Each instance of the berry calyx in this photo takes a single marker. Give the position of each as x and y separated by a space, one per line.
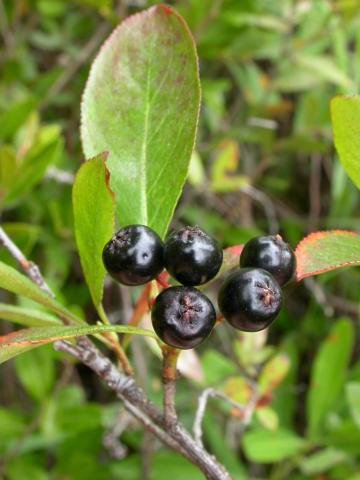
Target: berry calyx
250 299
192 257
272 254
183 317
134 255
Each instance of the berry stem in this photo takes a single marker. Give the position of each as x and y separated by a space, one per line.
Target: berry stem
169 374
141 307
162 279
115 343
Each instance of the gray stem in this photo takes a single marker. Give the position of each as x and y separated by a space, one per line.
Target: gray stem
124 386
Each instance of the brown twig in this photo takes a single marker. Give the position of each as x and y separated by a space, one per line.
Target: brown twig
134 398
169 374
145 411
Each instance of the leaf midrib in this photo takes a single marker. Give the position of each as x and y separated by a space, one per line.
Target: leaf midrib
144 156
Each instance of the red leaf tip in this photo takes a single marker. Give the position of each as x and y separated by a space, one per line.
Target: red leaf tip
165 8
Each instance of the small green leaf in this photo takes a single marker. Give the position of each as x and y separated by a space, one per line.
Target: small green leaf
225 166
353 399
323 67
320 252
15 282
266 446
273 372
21 341
267 417
36 372
14 117
345 116
46 150
328 374
242 19
320 462
93 205
27 316
238 389
141 104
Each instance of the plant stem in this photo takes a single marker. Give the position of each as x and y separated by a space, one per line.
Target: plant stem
135 400
141 307
115 344
169 374
145 411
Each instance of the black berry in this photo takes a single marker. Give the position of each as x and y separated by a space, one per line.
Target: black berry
192 257
134 255
272 254
183 317
250 299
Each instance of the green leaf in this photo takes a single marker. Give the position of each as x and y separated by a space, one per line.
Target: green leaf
141 104
14 117
36 372
216 366
241 19
328 374
345 116
93 205
267 418
46 150
324 68
344 436
7 168
21 341
273 373
320 252
266 446
225 166
15 282
321 461
353 399
238 389
27 316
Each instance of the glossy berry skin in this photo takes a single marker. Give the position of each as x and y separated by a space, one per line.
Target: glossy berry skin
250 299
192 257
134 255
183 317
272 254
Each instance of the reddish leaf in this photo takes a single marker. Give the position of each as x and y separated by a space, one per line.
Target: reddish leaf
22 340
320 252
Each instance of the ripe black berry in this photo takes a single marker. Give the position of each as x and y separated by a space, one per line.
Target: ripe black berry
192 256
183 317
250 299
272 254
134 255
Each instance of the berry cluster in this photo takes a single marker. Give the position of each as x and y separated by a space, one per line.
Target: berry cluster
182 316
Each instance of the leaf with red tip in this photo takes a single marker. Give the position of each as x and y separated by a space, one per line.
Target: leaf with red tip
21 341
141 103
320 252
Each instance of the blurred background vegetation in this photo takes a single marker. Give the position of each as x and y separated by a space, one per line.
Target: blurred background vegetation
264 162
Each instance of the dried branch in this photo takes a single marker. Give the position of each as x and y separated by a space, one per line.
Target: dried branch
246 410
145 411
31 270
134 398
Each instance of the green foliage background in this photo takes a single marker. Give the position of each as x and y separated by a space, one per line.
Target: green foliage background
264 162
